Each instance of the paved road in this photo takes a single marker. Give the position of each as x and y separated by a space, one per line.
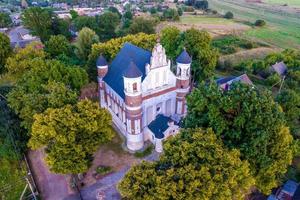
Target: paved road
106 187
52 186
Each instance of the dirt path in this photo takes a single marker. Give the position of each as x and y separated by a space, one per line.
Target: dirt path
51 186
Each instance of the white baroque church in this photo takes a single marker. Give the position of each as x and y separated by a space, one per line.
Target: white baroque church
145 98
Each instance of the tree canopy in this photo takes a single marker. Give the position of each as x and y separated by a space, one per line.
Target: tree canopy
172 41
247 119
198 45
5 20
48 83
108 23
20 62
43 22
58 45
194 165
71 135
142 25
290 103
5 50
86 38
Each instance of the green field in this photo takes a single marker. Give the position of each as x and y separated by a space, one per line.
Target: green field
282 30
281 2
198 19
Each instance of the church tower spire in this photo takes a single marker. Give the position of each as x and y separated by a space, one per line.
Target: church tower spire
183 74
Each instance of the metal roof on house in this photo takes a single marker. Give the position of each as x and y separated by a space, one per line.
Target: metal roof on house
232 79
184 58
101 61
132 71
120 64
159 126
280 68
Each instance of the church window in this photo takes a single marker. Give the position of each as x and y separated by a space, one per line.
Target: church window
134 87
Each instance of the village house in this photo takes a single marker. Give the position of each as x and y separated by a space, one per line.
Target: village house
225 83
146 99
279 68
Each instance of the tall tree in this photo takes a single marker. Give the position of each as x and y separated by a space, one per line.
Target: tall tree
57 45
5 20
108 23
38 21
86 38
290 103
198 44
43 22
20 62
48 84
71 135
194 165
86 21
172 41
247 119
171 14
5 50
142 25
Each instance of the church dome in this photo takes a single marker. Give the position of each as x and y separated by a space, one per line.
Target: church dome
184 58
132 71
101 61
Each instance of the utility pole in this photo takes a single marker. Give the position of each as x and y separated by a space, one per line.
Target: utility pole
29 184
281 83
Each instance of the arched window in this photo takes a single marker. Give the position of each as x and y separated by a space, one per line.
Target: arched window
134 87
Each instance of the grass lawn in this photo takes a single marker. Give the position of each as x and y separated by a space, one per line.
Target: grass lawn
282 30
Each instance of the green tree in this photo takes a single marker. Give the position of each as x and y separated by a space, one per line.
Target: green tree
142 25
115 10
5 50
71 135
38 21
247 119
21 61
172 41
57 45
195 165
5 20
86 38
108 22
290 103
73 14
48 84
228 15
198 44
43 22
171 14
85 21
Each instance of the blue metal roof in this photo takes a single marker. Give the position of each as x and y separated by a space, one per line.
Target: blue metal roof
101 61
223 80
119 65
184 58
159 126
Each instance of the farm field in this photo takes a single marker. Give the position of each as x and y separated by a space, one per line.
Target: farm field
283 26
214 25
295 3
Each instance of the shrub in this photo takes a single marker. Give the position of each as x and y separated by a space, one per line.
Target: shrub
273 79
260 22
228 15
146 152
102 170
247 45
